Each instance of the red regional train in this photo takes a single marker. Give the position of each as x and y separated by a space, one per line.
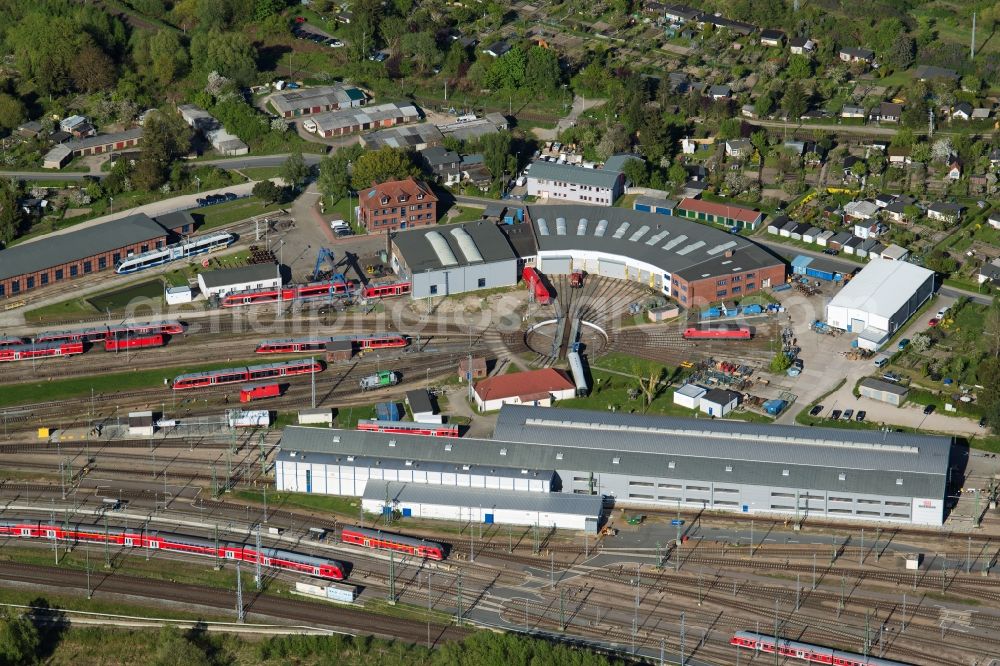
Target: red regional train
252 392
269 557
362 536
813 653
318 344
383 290
22 352
104 332
246 374
312 290
8 342
536 281
408 428
121 342
718 332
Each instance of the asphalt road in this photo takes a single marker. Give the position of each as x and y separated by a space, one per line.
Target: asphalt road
848 266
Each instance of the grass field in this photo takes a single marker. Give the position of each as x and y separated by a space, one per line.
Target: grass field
260 173
344 506
210 217
63 389
120 299
459 213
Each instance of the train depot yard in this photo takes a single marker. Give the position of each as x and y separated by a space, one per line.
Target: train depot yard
642 430
627 514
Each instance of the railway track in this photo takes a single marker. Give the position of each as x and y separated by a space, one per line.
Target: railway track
305 612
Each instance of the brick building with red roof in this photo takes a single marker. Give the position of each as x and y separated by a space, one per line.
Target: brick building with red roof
535 387
397 204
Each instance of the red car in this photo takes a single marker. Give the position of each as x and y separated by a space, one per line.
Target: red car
933 322
300 19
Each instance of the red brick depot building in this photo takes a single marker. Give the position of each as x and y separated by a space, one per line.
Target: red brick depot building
397 205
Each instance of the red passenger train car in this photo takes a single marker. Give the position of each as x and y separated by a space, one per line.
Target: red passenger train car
317 344
409 428
246 374
28 351
806 651
373 290
252 392
312 290
120 342
362 536
536 281
139 538
100 334
8 342
718 332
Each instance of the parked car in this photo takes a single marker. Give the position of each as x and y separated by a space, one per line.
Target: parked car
816 410
848 414
933 322
835 415
831 251
928 409
334 43
797 363
200 202
861 416
230 196
903 344
982 422
891 377
942 312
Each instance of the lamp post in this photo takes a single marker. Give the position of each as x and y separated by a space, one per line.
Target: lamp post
112 200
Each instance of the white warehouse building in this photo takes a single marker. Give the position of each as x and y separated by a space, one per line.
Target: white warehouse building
879 300
228 280
561 510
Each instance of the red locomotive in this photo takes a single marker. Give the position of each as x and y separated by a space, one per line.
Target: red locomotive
362 536
120 342
252 392
133 538
408 428
246 374
718 332
23 351
806 651
318 344
536 281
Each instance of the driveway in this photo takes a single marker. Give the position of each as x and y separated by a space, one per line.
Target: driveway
580 104
170 205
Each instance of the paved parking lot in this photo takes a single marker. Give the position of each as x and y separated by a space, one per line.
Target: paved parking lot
825 364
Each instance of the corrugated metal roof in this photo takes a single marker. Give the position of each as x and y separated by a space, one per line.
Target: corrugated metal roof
510 500
696 449
416 247
882 287
243 274
685 248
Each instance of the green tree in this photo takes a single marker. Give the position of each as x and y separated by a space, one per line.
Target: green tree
363 28
800 67
636 172
168 57
541 70
10 213
262 9
988 374
496 150
165 138
19 639
794 101
902 51
780 363
729 129
173 648
11 111
764 106
266 191
903 138
677 174
759 141
231 54
295 171
45 47
421 48
333 182
382 165
507 71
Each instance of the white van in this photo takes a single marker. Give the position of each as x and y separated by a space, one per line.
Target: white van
338 224
881 361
